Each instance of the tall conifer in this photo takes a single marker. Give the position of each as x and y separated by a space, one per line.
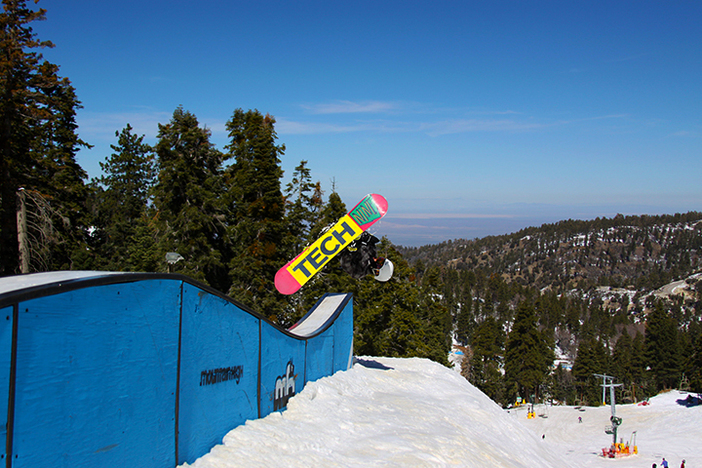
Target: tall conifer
527 355
591 359
187 195
435 316
257 230
488 348
123 194
622 367
38 140
387 316
661 348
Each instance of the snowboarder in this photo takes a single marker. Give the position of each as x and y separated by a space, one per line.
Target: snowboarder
332 241
664 463
360 259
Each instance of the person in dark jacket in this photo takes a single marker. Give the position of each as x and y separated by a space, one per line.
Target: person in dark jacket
360 259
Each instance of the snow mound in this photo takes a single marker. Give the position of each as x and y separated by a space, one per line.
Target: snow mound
386 412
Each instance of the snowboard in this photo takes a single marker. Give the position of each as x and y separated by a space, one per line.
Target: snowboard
300 269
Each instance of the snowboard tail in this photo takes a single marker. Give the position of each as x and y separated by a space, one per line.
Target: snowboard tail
299 270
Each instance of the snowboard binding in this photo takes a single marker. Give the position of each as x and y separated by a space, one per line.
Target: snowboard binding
383 269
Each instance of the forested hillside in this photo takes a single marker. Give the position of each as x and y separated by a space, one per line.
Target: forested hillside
620 296
641 251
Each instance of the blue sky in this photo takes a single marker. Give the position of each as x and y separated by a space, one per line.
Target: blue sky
471 118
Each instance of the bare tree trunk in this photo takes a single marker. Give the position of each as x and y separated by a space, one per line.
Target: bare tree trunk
22 232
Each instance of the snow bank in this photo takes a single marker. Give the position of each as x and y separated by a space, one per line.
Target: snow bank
415 413
386 412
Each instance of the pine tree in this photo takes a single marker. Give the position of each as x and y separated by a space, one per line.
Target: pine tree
61 178
304 212
527 355
465 319
302 206
38 140
562 387
257 228
190 219
695 365
387 319
591 359
142 253
622 366
638 366
487 350
123 199
435 316
661 348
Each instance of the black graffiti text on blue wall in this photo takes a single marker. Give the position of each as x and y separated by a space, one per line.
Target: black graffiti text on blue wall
284 387
221 374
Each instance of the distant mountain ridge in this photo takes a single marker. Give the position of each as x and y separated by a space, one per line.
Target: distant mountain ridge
638 252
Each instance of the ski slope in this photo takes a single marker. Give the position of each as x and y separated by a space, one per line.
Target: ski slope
386 412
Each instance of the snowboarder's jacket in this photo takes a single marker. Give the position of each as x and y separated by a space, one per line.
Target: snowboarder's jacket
359 258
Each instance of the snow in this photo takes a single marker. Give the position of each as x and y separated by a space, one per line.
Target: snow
387 412
15 283
321 314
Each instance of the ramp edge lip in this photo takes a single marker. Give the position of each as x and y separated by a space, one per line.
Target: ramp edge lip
319 319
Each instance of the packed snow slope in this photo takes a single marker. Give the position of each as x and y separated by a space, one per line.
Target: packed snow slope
386 412
664 428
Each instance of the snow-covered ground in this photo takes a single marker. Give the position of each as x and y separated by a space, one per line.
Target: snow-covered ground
388 412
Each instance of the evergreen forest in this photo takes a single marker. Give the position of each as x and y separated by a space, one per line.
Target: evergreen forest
538 312
535 313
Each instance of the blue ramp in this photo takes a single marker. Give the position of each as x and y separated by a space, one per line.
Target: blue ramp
148 370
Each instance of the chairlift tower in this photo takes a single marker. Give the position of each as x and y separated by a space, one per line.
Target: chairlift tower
607 382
